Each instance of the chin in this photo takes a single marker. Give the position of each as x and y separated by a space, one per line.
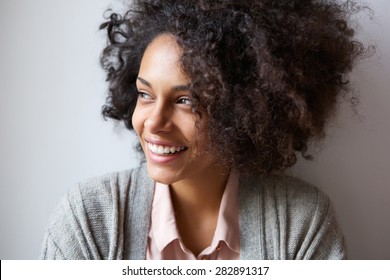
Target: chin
161 176
163 180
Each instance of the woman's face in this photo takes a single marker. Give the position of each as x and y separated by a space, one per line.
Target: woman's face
163 117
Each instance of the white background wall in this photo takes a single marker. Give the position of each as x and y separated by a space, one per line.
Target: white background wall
52 134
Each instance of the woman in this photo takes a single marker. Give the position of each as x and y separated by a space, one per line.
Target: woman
222 95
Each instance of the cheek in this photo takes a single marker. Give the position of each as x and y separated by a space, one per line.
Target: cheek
187 125
137 120
200 138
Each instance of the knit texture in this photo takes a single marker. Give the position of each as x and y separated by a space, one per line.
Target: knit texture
109 217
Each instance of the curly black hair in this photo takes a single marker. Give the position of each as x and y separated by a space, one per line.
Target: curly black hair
267 73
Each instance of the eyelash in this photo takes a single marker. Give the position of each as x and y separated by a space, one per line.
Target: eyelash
185 99
144 95
182 100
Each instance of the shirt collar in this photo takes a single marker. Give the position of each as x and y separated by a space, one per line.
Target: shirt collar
163 227
227 228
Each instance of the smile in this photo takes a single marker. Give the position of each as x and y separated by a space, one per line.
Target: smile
165 150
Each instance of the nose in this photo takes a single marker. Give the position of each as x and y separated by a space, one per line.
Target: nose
159 119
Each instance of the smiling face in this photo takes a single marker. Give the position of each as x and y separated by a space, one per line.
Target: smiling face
174 147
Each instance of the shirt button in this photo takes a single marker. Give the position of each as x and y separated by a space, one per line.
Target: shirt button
205 257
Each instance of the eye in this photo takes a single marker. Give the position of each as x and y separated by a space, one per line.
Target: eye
184 100
144 95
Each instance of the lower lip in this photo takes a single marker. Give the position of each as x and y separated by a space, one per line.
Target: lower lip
163 158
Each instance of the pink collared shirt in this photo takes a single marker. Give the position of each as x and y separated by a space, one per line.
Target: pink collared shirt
164 241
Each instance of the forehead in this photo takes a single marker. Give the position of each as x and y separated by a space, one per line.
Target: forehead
160 60
164 41
162 48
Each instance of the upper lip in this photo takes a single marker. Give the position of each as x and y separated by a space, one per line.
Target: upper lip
162 143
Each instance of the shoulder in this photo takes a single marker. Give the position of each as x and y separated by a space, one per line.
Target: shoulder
296 218
98 194
294 191
293 199
302 204
297 192
101 189
84 224
104 192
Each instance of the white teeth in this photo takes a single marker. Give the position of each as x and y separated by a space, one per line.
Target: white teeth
161 150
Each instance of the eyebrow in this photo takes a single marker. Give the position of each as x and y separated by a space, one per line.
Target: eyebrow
174 88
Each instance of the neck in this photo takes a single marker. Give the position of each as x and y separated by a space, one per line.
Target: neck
196 202
202 193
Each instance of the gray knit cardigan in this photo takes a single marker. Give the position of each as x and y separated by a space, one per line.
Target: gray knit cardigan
109 217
